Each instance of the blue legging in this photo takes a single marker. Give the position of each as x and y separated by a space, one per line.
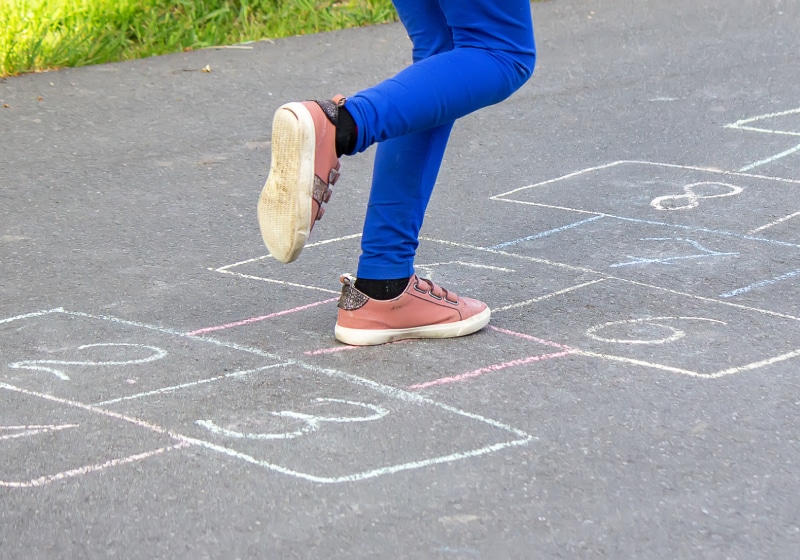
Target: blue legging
467 54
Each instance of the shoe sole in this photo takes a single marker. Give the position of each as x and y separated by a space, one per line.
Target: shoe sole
370 337
284 207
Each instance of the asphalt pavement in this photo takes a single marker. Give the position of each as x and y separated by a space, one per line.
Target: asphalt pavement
631 215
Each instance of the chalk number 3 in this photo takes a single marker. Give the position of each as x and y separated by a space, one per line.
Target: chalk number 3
309 422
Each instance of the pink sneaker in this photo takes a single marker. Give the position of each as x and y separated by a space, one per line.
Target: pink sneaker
423 310
304 166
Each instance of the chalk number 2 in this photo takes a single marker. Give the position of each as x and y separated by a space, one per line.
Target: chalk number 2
47 366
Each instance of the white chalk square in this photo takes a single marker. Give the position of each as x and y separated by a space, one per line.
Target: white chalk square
94 359
302 399
665 331
697 262
324 425
684 197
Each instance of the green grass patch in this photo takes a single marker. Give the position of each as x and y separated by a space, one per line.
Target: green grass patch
38 35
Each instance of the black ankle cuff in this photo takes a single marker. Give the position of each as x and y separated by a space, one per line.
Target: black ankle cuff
346 133
381 289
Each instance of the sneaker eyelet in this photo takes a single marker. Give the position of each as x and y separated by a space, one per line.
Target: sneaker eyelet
450 302
416 287
435 296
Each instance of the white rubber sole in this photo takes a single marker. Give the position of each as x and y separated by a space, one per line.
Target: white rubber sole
370 337
284 207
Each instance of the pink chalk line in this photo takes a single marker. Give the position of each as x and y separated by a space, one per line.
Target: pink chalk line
490 369
497 367
533 339
261 318
330 350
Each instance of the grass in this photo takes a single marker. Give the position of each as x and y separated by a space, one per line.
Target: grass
38 35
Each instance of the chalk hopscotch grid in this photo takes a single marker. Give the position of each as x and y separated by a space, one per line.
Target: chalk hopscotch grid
226 269
594 216
184 441
520 437
603 276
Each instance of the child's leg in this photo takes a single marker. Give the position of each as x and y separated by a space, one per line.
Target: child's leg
405 167
493 55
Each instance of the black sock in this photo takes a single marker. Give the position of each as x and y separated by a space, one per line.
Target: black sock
346 133
381 289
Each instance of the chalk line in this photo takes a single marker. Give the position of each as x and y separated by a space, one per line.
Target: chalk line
190 384
513 255
776 157
25 431
548 296
760 284
273 281
657 223
333 350
713 300
635 162
634 361
240 263
566 350
578 352
357 477
775 223
345 347
174 332
545 233
469 264
44 480
756 365
704 253
567 176
531 338
488 369
740 123
31 315
716 375
263 257
618 278
609 357
260 318
88 408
